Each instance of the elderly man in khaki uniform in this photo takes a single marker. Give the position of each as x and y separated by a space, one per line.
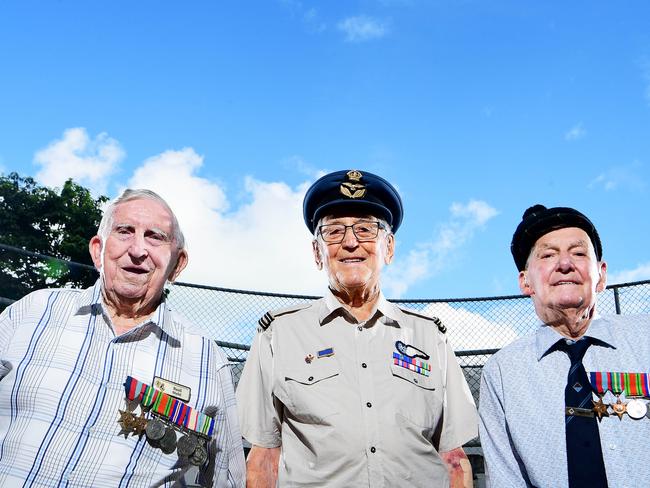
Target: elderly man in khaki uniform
351 390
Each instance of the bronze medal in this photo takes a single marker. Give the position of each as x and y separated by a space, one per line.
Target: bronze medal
600 408
619 408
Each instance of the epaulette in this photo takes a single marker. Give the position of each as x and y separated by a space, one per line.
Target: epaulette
441 327
269 317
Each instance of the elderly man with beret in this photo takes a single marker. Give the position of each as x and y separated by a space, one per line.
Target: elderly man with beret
109 386
565 407
350 390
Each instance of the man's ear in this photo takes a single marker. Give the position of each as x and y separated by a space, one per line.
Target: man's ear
181 262
524 286
602 276
318 259
95 248
390 249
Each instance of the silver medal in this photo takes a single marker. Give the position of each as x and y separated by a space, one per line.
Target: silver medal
637 409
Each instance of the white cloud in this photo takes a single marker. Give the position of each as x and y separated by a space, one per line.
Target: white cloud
576 132
641 272
429 258
303 167
469 330
362 28
261 244
624 177
90 162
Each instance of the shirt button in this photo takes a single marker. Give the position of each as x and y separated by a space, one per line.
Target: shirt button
364 365
612 447
311 378
359 328
372 449
368 404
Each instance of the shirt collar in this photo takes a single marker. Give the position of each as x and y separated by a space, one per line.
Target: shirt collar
599 330
331 307
90 301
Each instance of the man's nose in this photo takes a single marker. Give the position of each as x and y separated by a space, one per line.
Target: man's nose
138 248
349 238
565 262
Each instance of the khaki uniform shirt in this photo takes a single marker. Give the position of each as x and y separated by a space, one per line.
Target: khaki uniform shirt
325 388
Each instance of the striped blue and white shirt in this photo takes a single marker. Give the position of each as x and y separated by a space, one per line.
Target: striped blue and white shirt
62 374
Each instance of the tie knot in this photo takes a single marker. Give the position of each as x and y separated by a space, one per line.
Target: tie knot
575 350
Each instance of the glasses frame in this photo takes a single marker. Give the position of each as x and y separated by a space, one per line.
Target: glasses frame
380 226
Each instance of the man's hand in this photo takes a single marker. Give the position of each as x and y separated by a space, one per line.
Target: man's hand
458 467
262 467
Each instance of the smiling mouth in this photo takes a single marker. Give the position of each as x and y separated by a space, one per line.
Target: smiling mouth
352 260
562 283
136 270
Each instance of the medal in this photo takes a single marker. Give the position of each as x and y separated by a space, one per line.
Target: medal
140 424
636 409
155 430
126 422
619 408
616 386
186 445
600 408
168 441
199 456
600 384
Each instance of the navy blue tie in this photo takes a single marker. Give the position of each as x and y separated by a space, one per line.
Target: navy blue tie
584 454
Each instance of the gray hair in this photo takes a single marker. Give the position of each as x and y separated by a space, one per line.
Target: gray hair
129 195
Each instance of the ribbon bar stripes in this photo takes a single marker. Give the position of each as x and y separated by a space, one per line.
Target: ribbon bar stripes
416 365
169 407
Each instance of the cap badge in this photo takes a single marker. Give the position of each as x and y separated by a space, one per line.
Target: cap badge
352 188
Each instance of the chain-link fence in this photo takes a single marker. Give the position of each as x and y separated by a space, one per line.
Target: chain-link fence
476 327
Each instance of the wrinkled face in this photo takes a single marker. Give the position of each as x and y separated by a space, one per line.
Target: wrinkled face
563 271
350 263
139 254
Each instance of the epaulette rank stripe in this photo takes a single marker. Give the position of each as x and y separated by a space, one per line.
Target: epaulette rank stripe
441 327
269 317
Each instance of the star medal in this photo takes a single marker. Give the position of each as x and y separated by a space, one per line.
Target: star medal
126 422
616 386
600 385
140 424
600 408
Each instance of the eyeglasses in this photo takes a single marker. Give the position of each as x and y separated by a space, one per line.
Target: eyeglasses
363 231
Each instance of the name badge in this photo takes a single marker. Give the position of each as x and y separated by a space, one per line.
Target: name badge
176 390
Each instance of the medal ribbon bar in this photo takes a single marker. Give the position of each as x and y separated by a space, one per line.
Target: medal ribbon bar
169 407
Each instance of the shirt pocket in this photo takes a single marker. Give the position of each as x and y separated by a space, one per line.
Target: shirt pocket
312 390
419 397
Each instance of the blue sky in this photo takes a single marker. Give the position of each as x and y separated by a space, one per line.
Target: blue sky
475 110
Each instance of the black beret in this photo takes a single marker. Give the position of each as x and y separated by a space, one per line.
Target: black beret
355 191
539 220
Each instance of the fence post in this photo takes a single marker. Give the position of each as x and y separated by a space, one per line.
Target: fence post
617 301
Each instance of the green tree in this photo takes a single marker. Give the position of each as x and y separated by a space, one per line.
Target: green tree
53 222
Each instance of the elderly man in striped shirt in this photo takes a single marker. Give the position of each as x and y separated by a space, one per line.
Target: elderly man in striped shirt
108 386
